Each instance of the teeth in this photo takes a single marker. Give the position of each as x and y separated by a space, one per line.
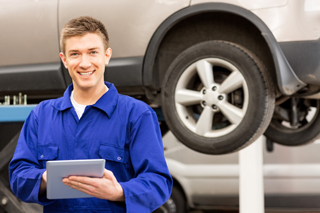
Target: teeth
86 73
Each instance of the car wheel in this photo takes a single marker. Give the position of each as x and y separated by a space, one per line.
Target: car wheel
216 98
179 200
295 122
175 204
168 207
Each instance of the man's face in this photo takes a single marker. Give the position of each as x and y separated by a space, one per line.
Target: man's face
85 57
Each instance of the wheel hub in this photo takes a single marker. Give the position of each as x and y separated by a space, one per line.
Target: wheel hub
212 97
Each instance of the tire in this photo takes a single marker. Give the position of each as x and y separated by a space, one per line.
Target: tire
216 99
168 207
179 200
175 204
302 129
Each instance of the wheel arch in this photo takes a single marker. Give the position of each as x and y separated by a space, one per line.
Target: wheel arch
177 31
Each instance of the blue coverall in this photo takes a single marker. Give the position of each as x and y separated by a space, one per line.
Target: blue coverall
118 128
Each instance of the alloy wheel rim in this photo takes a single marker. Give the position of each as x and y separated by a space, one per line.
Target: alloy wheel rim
216 98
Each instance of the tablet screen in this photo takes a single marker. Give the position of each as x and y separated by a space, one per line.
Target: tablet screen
57 170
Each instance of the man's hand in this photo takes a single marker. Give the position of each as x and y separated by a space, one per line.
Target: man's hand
43 184
106 187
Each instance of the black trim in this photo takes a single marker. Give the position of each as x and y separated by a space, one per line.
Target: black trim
287 80
32 77
125 72
304 58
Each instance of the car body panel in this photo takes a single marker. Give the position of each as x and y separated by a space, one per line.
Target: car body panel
248 4
289 23
29 50
129 29
34 38
285 18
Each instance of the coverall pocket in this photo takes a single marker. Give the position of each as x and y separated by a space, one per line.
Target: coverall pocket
115 154
46 153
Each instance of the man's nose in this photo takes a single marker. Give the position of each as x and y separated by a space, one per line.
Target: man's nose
85 62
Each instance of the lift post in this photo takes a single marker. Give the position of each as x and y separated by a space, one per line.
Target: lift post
251 189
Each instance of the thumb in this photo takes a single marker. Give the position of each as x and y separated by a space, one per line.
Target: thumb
109 175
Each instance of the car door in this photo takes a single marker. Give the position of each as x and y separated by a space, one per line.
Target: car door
29 53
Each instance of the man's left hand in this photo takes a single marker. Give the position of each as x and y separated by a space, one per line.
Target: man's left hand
106 187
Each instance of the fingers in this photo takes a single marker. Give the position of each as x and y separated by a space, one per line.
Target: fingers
106 187
79 186
44 176
84 180
43 183
75 182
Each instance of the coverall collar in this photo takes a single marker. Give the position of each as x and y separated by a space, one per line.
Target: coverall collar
106 103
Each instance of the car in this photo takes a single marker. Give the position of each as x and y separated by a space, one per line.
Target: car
223 72
207 182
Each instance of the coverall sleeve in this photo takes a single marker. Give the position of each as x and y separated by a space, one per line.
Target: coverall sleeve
24 169
152 184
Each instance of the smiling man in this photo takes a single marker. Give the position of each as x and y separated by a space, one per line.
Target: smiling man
92 121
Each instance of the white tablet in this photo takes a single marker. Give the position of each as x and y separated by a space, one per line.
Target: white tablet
57 170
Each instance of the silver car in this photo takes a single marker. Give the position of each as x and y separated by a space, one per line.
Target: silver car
223 72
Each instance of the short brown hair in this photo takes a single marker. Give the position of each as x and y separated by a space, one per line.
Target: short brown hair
81 26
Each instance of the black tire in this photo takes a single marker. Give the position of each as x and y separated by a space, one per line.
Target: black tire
306 127
238 115
175 204
168 207
179 200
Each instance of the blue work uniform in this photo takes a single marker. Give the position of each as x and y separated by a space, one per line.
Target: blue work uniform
120 129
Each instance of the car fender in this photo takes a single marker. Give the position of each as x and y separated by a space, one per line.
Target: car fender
288 82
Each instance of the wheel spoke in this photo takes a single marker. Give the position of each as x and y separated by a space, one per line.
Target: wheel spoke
233 113
204 123
188 97
204 70
231 83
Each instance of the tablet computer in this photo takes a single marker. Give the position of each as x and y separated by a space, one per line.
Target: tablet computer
59 169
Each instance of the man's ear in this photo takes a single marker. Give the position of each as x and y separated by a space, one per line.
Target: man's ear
63 59
108 55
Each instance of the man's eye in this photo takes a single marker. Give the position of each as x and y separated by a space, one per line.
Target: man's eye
74 54
94 52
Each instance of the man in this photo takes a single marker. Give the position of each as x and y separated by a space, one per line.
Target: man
92 121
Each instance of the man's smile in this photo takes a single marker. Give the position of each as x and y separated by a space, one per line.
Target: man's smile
86 73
